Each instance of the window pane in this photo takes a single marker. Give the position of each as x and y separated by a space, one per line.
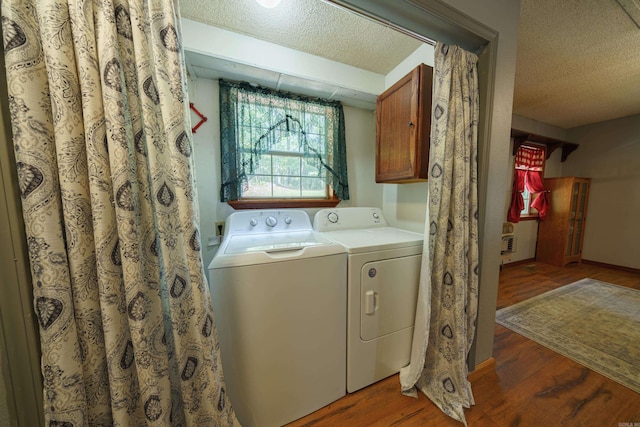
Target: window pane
282 140
258 186
286 165
263 166
311 167
314 187
317 143
525 195
286 186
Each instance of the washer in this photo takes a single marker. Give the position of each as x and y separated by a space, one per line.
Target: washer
382 288
279 299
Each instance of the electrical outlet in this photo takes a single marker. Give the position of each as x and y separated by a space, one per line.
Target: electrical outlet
220 228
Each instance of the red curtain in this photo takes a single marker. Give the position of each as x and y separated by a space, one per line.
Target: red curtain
529 164
535 184
517 201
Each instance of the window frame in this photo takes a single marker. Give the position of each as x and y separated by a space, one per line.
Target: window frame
284 203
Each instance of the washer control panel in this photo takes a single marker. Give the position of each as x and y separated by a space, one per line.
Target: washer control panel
348 219
267 221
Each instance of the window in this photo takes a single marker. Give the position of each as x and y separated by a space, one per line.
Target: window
280 149
528 210
529 198
526 196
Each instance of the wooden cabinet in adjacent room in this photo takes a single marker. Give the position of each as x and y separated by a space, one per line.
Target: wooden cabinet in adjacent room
403 125
561 234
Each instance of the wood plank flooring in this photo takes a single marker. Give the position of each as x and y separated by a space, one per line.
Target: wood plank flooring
529 385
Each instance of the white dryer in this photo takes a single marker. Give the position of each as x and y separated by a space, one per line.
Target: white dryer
383 272
279 299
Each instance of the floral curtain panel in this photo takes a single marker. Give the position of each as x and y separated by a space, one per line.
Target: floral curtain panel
256 120
103 151
448 292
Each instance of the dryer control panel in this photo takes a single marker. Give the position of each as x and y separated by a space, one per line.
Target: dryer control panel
348 219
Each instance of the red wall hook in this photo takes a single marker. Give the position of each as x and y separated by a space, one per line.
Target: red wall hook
202 118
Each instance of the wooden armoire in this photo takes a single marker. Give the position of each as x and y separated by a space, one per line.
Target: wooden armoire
561 234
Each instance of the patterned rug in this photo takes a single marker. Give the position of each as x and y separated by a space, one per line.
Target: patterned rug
597 324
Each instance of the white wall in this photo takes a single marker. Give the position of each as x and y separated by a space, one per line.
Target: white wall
360 133
609 154
360 136
526 124
204 94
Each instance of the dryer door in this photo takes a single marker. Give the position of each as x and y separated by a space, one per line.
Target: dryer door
388 295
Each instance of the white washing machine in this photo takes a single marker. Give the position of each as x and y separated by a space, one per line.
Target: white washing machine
279 299
382 289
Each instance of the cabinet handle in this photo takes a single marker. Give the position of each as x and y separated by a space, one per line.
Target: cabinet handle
410 123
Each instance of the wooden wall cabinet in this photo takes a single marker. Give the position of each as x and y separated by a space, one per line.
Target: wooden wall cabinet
561 234
403 125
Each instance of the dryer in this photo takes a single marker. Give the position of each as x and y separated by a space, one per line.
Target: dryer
383 273
279 300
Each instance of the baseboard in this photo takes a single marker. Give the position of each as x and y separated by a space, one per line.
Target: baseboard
615 267
481 367
517 263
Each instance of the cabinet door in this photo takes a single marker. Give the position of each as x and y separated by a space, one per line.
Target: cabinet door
403 118
581 213
573 231
577 217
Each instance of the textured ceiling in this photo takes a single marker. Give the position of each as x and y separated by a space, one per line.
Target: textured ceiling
310 26
578 60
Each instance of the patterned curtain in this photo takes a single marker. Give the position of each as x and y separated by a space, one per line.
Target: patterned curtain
448 293
255 120
103 150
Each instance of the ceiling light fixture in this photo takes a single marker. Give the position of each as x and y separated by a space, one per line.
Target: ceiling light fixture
269 4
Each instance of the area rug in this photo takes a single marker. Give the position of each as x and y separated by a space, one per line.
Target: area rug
594 323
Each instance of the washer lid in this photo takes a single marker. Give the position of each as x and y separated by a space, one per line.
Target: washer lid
273 242
375 239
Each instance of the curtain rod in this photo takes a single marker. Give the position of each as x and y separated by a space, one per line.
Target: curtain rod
383 22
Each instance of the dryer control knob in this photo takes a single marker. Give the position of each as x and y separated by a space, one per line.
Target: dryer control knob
332 217
287 220
375 215
271 221
253 222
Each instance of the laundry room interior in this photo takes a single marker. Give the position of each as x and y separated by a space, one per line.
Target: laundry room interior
380 305
404 205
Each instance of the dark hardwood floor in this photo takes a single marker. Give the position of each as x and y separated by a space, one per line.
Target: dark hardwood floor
528 385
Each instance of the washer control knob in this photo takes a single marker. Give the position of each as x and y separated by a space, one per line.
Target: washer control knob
271 221
332 217
253 222
375 215
287 220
